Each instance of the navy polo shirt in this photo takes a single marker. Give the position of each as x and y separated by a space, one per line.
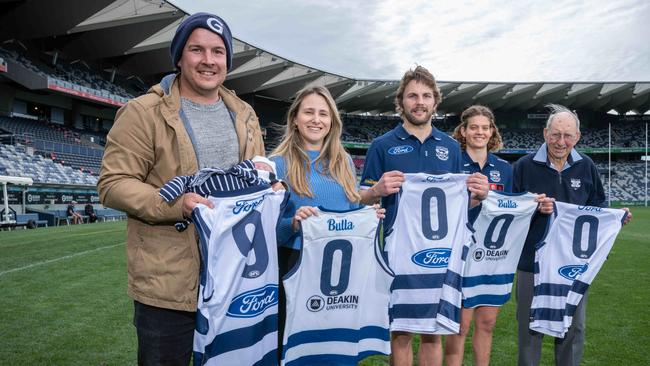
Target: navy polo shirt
497 170
399 150
578 183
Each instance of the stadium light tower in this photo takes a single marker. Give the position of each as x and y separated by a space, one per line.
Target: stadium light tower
4 180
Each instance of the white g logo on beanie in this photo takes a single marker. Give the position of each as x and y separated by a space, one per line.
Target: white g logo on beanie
215 25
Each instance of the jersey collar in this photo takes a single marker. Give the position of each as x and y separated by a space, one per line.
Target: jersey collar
541 156
402 134
491 159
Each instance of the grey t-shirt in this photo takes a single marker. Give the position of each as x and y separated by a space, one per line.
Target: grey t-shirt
213 134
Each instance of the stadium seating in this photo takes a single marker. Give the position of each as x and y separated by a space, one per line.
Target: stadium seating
30 129
109 214
628 180
55 142
14 161
365 128
74 76
84 76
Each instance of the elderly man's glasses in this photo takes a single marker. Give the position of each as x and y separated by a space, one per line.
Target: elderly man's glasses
553 137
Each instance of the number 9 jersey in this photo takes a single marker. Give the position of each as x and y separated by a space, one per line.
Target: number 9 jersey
567 260
426 248
237 315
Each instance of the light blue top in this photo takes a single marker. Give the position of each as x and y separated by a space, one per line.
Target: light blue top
327 194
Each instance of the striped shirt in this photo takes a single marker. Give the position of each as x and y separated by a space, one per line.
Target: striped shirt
210 180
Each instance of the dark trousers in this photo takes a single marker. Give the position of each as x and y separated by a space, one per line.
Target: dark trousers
568 350
165 336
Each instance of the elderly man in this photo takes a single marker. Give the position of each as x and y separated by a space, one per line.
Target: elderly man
187 122
565 175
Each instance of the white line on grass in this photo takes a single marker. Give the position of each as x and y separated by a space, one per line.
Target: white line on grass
58 259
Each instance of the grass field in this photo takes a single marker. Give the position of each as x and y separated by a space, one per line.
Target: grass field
64 302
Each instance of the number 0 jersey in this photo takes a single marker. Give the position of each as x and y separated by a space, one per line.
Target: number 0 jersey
567 260
426 249
338 293
499 232
236 319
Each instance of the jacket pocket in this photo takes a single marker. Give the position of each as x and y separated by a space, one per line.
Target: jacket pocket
164 262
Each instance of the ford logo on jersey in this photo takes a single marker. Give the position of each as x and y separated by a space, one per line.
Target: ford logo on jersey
433 178
590 208
399 150
254 302
246 205
432 258
572 271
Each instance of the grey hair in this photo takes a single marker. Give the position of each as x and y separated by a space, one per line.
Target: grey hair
556 109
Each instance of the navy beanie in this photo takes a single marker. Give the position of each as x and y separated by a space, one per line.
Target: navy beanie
207 21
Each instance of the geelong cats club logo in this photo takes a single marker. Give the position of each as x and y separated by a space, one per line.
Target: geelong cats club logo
442 153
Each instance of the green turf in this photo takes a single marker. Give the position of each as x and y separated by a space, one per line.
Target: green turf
64 302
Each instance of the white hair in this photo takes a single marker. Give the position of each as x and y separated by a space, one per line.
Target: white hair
556 109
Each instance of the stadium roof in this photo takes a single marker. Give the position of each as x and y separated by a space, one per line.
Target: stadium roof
133 37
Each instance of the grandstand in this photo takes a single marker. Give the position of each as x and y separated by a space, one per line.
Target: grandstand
67 66
15 161
61 85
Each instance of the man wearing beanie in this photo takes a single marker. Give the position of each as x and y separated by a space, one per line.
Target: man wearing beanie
187 122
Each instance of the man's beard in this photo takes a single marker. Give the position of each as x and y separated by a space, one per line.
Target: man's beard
416 122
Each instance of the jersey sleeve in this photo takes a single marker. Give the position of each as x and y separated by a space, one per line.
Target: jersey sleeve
174 188
373 167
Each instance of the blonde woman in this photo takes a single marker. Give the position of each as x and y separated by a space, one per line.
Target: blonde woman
311 159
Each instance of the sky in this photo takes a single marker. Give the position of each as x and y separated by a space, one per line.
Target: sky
525 40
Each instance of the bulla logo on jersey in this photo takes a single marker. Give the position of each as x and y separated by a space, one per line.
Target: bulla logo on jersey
442 153
432 258
246 205
501 203
575 183
343 225
254 302
399 150
572 271
495 176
